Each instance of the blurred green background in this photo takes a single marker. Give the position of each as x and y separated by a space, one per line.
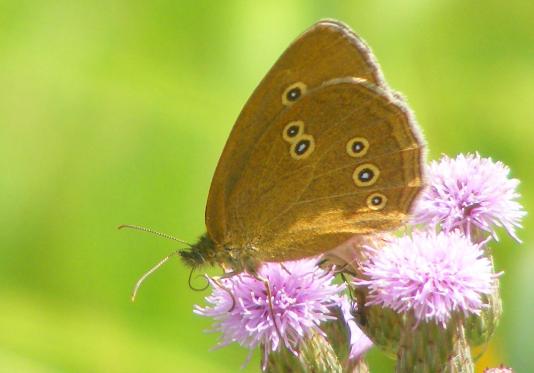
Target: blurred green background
116 112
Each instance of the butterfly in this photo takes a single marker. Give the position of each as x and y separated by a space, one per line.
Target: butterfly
322 151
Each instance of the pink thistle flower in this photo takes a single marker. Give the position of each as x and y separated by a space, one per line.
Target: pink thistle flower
500 369
302 295
470 191
431 274
359 342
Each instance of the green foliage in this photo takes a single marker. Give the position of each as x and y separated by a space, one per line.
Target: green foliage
116 112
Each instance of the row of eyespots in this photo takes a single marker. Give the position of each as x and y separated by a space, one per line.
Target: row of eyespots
302 144
365 174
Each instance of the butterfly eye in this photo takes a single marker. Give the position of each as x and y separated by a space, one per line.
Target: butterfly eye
292 130
357 147
293 93
376 201
365 175
303 147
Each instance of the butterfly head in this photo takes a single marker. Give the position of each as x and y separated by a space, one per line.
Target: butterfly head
231 259
200 253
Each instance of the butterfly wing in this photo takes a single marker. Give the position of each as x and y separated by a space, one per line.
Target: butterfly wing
328 50
345 159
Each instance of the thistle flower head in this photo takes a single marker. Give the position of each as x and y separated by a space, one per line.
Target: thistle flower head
470 191
431 274
301 292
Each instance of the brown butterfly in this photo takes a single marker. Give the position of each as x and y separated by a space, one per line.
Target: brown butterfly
322 151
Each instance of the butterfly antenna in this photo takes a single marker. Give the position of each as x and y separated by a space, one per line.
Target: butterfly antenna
149 272
148 230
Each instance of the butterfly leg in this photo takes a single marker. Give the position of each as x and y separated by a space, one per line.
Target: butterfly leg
220 285
357 299
270 300
349 289
285 268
